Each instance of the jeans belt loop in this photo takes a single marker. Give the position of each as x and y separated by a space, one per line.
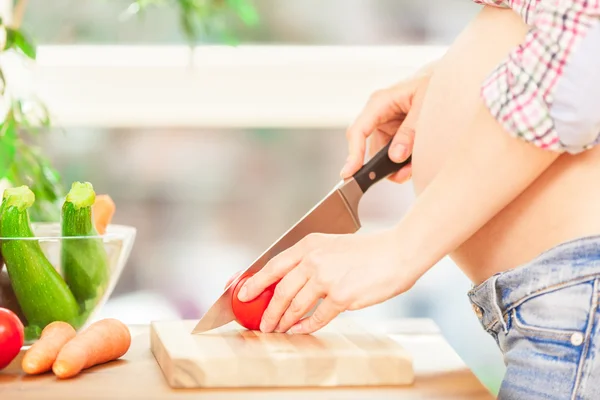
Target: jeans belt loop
495 301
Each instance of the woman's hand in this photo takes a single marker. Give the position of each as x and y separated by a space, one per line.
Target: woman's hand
390 112
348 272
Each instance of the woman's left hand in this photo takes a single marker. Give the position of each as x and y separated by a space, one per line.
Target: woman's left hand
348 272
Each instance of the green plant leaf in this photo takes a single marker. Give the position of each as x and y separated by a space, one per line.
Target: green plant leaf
187 10
32 169
245 10
45 120
16 39
31 114
2 82
10 39
229 39
26 46
187 25
17 110
203 17
8 139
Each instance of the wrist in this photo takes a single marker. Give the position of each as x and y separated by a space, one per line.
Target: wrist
410 254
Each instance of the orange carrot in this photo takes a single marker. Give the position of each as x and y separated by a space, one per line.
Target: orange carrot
103 210
103 341
41 355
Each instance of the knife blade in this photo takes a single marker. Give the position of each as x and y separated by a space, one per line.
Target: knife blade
336 213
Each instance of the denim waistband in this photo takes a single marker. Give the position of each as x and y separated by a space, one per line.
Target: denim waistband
569 262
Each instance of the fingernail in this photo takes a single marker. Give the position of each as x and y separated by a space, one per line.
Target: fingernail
398 151
294 329
263 325
346 168
344 171
243 293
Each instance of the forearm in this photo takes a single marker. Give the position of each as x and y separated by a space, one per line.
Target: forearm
487 170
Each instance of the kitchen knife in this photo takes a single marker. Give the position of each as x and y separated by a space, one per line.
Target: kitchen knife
337 213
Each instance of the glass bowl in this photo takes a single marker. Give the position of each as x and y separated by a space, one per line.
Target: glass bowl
87 271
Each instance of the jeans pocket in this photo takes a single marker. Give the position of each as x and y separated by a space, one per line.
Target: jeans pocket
537 332
560 314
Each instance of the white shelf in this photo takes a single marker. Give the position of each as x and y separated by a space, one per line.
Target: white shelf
217 86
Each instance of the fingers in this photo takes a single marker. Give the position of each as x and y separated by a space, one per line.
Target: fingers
233 278
275 269
325 312
377 111
381 136
357 146
377 141
285 293
403 175
383 107
403 140
402 146
400 149
304 301
357 136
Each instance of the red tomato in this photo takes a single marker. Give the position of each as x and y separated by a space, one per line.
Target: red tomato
11 336
248 314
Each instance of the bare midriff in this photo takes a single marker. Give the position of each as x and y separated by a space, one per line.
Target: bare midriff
562 205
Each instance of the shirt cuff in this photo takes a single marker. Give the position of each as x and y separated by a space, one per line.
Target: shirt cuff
520 92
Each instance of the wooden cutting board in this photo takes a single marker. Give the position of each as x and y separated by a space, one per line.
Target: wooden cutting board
341 354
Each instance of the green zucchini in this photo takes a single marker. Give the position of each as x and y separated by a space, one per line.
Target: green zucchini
42 294
84 260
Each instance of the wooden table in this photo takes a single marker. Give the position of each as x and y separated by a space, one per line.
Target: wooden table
440 374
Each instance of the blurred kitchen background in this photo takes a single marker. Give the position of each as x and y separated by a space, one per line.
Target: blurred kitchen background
207 201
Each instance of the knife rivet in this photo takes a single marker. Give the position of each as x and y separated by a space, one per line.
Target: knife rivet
372 175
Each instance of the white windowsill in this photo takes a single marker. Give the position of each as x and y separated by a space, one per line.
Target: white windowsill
247 86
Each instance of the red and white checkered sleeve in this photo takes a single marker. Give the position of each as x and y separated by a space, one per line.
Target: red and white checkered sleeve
543 91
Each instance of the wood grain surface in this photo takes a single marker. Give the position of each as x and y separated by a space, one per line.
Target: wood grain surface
341 354
439 374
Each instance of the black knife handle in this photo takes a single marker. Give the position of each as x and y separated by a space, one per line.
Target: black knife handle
378 167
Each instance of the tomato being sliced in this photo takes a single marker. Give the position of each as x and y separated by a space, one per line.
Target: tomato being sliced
249 314
11 336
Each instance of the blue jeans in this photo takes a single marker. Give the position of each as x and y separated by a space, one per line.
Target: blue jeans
544 317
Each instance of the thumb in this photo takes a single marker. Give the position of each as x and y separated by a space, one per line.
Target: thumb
403 140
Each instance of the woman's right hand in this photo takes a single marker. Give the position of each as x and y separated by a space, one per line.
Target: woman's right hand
389 113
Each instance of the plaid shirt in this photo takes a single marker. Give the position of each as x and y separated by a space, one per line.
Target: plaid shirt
522 91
